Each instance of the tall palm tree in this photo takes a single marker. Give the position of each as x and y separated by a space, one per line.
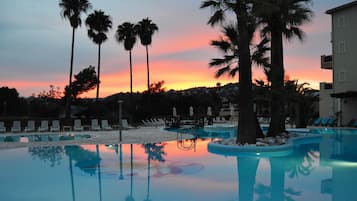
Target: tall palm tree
246 27
228 45
146 29
72 10
98 25
126 34
281 19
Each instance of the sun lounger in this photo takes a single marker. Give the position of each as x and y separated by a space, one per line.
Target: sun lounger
106 126
30 126
331 121
125 124
354 124
2 127
77 125
55 127
16 127
324 121
95 125
317 122
44 126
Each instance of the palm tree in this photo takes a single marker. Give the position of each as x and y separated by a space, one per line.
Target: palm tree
98 24
281 19
146 29
246 27
72 10
126 34
228 45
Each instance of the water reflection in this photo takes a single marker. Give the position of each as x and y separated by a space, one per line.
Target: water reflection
155 152
51 154
324 169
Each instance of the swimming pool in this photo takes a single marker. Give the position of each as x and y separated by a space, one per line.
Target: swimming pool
324 169
42 137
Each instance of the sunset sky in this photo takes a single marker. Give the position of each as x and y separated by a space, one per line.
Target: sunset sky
35 46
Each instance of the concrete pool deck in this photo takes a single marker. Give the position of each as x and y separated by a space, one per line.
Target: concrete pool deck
141 135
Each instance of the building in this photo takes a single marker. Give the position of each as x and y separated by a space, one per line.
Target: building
339 98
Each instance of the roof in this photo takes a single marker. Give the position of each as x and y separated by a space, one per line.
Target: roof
346 94
342 7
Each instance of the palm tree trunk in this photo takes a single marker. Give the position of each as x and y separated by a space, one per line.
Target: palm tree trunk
246 121
277 123
131 75
148 69
97 97
72 178
69 92
99 174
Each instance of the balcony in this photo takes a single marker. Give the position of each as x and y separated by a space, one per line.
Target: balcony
326 62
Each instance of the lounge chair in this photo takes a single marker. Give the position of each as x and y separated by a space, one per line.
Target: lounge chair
77 125
317 122
2 127
355 123
94 125
324 121
125 124
55 127
30 126
332 121
44 126
106 126
16 127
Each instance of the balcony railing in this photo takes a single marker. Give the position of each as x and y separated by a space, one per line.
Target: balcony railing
326 62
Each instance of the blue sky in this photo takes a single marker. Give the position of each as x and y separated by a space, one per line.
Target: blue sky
35 46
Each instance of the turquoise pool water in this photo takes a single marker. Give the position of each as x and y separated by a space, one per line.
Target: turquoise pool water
41 138
324 169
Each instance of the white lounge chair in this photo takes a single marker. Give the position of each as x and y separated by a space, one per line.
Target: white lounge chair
30 126
95 125
77 125
2 127
125 124
106 126
16 127
44 126
55 127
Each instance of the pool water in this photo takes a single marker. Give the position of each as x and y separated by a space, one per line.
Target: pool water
41 138
324 169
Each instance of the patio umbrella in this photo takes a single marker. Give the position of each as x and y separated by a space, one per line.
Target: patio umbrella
174 113
191 111
209 111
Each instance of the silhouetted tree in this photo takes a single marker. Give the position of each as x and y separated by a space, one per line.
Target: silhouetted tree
126 34
72 10
98 24
146 29
246 22
281 19
85 80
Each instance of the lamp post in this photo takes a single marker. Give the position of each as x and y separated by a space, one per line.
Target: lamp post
120 102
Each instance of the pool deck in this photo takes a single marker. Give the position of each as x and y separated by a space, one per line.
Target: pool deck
141 135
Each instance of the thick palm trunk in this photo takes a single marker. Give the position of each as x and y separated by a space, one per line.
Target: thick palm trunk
246 122
277 123
147 68
97 97
131 75
69 92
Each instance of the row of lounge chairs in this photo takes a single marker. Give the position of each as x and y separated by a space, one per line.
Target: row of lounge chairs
325 121
55 126
153 122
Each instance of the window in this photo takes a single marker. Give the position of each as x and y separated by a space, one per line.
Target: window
342 76
341 21
341 47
